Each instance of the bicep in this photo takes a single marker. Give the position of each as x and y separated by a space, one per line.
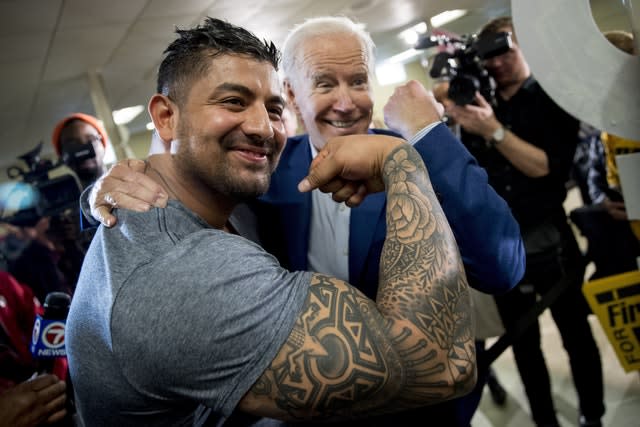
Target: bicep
338 352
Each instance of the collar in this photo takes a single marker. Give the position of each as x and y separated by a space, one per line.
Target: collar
314 150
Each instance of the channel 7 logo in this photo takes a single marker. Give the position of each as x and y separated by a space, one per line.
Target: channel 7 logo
48 338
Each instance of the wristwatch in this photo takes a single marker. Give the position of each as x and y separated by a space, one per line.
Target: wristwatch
497 137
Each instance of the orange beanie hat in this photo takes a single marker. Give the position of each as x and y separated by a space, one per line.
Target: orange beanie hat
55 138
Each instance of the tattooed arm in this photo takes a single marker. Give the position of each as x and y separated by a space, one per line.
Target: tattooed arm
349 356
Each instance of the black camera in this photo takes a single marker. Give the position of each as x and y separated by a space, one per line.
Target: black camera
462 63
46 196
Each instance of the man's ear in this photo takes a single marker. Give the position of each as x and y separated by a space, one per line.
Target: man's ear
164 114
291 96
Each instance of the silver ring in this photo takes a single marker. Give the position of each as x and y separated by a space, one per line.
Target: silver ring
110 200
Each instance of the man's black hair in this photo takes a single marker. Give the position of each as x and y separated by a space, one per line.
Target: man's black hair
189 56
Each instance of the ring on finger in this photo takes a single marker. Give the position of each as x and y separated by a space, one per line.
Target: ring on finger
110 200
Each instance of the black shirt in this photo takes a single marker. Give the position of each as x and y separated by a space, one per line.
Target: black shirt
534 117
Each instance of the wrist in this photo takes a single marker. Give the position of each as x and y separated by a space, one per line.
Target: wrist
497 136
422 132
390 144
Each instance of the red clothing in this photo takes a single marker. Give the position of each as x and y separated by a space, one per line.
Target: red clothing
18 309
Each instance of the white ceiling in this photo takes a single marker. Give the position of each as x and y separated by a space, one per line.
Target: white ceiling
49 47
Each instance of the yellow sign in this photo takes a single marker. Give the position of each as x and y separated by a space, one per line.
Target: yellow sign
616 302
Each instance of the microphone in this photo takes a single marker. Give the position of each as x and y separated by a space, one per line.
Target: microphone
47 339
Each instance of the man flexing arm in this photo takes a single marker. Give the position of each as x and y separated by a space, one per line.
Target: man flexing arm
414 345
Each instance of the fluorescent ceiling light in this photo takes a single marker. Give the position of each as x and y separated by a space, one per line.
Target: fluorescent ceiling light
447 16
125 115
403 57
412 34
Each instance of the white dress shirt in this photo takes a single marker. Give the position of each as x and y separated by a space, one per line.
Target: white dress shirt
329 234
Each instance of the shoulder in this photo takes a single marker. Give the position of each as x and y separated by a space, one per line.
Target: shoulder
209 268
297 139
531 92
533 88
297 147
542 102
140 238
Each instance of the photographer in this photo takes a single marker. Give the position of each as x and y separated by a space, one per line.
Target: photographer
526 143
74 133
80 141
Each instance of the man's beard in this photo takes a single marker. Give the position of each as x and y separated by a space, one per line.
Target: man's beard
219 176
224 182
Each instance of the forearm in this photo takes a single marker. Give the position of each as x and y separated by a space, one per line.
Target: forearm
527 158
414 345
487 234
421 265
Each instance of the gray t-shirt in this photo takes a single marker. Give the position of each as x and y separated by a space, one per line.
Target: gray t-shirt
170 315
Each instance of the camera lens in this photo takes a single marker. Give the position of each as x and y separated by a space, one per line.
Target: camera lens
462 89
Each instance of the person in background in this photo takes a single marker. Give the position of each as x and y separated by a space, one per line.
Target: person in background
611 244
34 402
327 63
588 155
587 218
25 399
488 323
80 141
613 240
530 144
18 309
174 313
615 145
71 135
31 257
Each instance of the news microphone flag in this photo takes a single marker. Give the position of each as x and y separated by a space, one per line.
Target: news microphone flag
47 339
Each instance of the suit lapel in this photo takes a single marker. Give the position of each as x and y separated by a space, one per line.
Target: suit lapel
295 207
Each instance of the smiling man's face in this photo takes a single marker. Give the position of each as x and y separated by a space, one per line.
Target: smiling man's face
331 90
230 130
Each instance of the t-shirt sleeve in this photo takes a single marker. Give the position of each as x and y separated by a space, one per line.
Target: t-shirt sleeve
205 320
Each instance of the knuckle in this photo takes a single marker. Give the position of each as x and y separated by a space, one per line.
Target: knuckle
129 187
313 180
138 165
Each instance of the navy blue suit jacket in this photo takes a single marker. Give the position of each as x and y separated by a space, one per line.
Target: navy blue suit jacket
486 232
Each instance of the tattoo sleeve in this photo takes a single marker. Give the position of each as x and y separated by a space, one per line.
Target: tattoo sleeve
348 356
